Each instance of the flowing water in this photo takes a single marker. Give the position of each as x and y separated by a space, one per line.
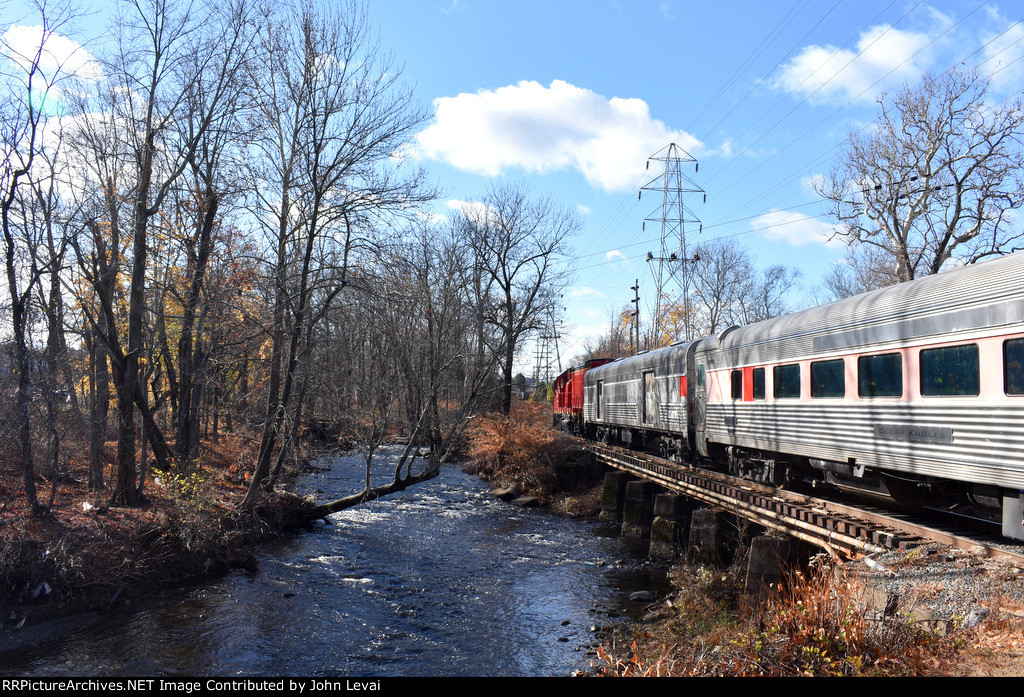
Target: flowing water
439 580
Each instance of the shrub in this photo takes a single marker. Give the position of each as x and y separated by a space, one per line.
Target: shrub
522 448
814 625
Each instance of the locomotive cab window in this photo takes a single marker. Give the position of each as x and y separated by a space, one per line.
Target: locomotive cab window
700 376
1013 366
786 381
736 377
880 376
950 371
758 383
828 379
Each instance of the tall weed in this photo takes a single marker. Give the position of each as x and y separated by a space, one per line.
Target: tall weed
812 626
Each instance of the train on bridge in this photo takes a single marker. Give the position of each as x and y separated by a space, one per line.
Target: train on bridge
914 392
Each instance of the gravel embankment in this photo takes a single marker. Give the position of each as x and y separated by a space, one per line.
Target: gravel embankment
941 585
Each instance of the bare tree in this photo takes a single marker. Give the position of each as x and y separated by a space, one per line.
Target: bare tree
410 321
729 289
520 243
934 178
31 76
618 342
332 113
720 277
214 111
864 268
148 126
766 294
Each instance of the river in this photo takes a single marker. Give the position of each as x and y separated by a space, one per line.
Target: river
439 580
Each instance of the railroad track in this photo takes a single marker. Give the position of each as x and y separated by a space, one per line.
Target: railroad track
844 530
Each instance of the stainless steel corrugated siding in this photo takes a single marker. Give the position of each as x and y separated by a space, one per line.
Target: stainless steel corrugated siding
622 391
987 438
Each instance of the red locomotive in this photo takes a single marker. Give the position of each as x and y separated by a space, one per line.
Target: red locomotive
568 397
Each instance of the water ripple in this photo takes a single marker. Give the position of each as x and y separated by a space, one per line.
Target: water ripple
439 580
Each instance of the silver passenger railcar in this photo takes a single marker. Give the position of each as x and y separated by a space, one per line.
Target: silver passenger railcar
916 389
641 401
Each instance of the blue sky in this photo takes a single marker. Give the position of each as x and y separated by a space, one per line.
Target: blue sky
570 98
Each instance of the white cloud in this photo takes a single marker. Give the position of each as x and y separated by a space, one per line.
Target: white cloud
476 211
59 54
794 228
813 182
431 217
617 256
544 129
585 210
884 56
585 291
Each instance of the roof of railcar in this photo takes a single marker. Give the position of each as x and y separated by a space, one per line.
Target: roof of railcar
977 285
661 357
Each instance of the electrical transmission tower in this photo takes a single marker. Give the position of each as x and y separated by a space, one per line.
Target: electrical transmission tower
674 217
547 340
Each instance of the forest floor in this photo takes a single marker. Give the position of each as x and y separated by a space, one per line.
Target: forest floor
84 555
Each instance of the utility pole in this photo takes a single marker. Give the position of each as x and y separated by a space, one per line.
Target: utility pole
636 318
673 216
555 337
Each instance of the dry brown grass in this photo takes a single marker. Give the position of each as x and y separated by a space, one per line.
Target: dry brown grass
521 449
813 626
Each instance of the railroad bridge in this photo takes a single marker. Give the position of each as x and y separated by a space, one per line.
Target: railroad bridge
702 514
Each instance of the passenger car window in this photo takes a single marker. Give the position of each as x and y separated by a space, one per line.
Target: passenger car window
758 383
828 379
880 376
1013 366
786 381
737 384
950 371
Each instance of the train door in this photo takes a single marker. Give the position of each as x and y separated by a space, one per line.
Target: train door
648 398
598 399
700 401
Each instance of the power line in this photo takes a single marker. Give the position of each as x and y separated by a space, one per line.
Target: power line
779 184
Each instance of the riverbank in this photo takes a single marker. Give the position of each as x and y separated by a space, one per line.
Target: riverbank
530 463
438 581
924 612
929 612
82 558
85 556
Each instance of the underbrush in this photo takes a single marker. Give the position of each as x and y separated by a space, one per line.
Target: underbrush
81 556
812 626
519 449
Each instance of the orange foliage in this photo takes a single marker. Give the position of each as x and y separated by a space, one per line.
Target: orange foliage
522 448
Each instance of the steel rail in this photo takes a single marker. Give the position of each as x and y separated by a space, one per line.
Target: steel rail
749 500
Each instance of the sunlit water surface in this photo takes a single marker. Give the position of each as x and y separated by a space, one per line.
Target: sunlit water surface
440 580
